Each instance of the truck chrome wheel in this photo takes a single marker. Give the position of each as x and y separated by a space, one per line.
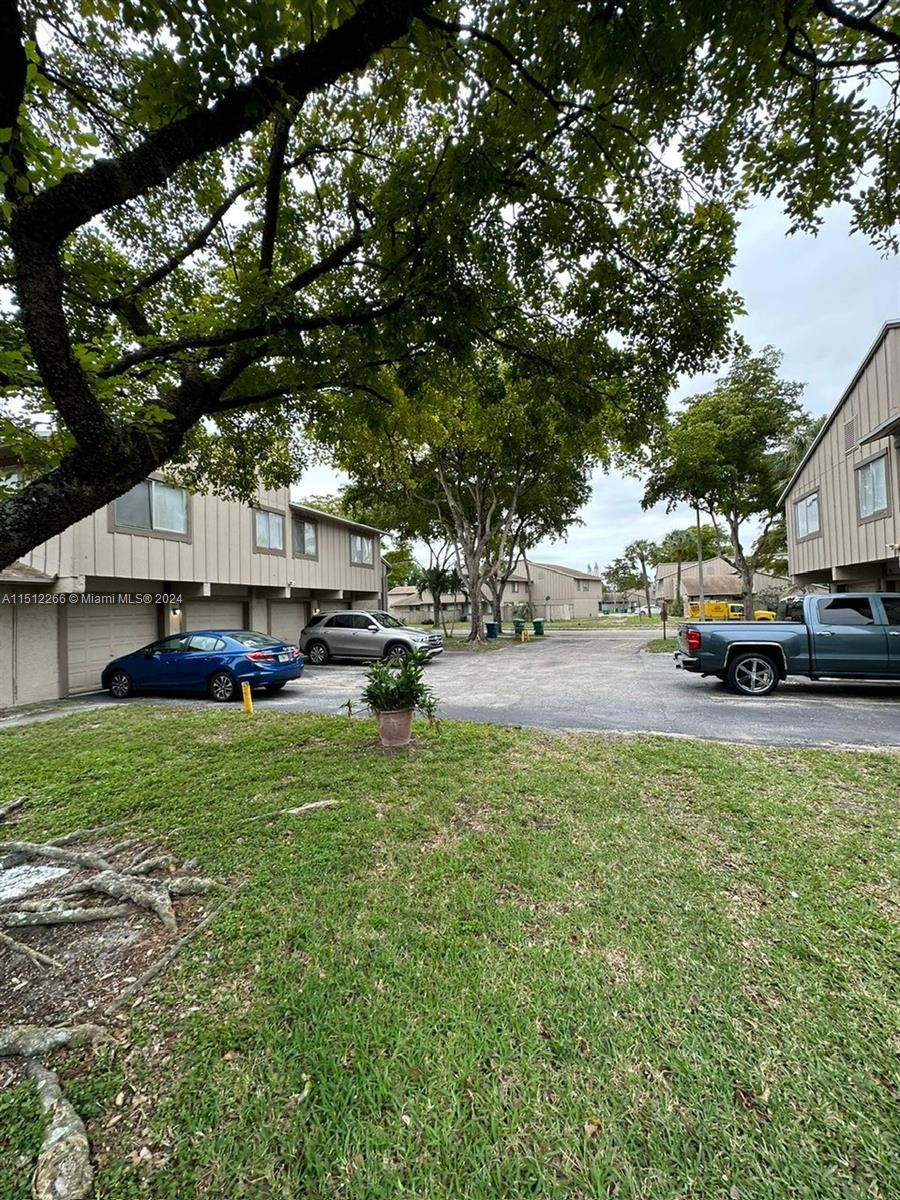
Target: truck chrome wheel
753 675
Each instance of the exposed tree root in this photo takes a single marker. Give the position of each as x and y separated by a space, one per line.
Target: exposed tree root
63 1170
121 887
62 916
78 835
36 956
161 862
59 854
32 1041
188 885
7 810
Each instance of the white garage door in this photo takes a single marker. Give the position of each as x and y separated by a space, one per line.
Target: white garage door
287 618
214 614
97 633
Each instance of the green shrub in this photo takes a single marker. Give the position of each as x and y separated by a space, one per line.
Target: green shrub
395 684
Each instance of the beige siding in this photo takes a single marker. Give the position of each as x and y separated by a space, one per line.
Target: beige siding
831 470
29 650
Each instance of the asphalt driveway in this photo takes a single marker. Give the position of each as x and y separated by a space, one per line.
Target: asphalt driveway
604 680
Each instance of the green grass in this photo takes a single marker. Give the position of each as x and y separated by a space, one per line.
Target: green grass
666 645
508 964
613 621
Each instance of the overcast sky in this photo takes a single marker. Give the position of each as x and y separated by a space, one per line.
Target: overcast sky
821 300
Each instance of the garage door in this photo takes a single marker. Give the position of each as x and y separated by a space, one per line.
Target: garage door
287 618
214 614
97 633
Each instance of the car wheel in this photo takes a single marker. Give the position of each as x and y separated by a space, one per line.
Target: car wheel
275 687
752 674
397 652
318 653
222 687
120 685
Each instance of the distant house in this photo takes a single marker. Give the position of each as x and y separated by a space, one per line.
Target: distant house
720 582
559 593
842 504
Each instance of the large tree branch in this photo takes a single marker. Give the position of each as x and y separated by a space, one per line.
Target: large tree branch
229 337
273 193
859 22
13 79
83 195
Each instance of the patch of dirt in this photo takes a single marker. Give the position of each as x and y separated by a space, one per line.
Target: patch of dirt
99 959
885 896
623 967
745 900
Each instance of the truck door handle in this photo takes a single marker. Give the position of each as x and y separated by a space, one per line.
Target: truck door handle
824 633
894 633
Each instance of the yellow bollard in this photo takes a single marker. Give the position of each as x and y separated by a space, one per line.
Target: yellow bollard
248 698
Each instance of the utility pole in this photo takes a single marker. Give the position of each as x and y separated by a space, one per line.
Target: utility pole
700 565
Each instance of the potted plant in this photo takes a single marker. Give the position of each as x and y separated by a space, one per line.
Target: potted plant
394 691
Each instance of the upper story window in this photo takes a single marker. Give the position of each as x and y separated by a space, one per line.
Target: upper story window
872 488
583 585
362 550
268 530
155 507
305 537
514 586
807 515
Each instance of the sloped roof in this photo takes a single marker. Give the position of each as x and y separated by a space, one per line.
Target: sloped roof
19 572
564 570
814 445
326 516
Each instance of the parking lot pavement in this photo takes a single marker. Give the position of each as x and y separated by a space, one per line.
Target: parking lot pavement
603 680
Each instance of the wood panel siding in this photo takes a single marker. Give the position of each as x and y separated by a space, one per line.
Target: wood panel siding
831 470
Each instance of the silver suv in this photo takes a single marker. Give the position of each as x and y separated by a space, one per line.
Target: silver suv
358 633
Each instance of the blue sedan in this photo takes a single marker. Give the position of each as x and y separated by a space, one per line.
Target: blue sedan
215 661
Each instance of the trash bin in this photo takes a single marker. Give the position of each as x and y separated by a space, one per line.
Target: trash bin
538 624
519 625
491 628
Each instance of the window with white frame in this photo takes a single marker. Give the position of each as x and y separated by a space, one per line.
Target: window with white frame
155 507
871 487
305 537
807 515
362 550
268 530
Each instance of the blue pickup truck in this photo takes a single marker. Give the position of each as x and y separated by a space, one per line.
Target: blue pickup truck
846 635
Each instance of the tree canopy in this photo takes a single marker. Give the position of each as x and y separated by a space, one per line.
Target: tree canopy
217 220
726 451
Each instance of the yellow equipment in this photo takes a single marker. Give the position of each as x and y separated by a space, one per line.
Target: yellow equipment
764 614
716 610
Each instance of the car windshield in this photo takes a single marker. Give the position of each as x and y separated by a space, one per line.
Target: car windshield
388 621
247 637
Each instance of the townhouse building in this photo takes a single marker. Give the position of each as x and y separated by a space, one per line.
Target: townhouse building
161 560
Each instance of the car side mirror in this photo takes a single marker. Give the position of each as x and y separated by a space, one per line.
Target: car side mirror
373 629
149 653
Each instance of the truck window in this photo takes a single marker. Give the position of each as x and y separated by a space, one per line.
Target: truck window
790 610
892 608
846 610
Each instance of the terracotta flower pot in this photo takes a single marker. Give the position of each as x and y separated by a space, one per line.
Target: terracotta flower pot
395 727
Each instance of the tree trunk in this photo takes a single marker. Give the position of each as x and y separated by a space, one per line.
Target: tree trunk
744 569
475 580
646 587
677 597
436 610
496 591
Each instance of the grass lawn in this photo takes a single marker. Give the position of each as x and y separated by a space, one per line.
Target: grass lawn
666 645
507 965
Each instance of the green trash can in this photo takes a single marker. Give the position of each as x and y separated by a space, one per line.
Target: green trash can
519 625
538 624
